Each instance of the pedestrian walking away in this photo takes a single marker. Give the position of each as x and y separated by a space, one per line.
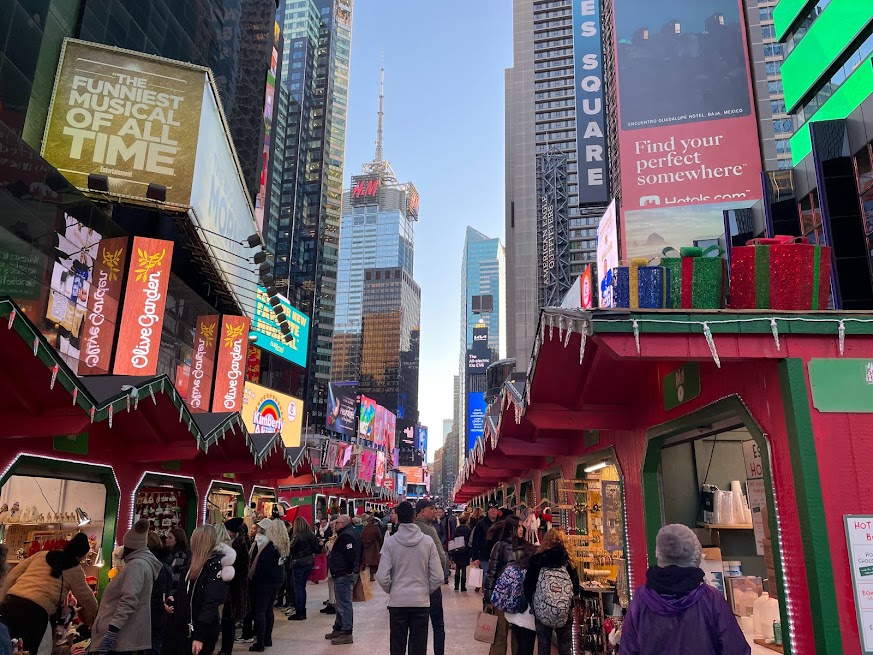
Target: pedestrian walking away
675 611
162 590
371 541
344 564
410 570
425 513
461 556
235 604
480 547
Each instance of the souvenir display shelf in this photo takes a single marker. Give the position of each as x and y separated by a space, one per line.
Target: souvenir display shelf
163 507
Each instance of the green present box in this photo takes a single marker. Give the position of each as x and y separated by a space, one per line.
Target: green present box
697 277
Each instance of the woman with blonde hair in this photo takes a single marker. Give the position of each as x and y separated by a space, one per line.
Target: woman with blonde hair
304 548
200 593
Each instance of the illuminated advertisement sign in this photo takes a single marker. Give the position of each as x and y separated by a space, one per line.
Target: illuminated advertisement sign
687 128
98 333
414 474
365 189
269 94
231 364
590 122
476 363
342 407
203 362
412 200
476 409
269 335
366 466
367 419
129 116
421 440
139 337
380 469
607 255
265 411
343 455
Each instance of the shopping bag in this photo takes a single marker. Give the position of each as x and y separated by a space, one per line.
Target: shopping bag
319 568
362 591
486 627
457 543
474 577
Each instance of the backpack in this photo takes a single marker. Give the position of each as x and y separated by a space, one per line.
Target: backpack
553 597
508 594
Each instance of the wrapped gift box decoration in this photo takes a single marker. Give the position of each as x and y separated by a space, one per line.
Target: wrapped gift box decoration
786 273
697 277
640 286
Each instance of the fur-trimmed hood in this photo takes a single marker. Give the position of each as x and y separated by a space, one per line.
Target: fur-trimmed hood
228 557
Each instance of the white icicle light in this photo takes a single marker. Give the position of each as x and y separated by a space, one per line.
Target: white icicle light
110 416
11 320
841 331
774 328
711 343
551 325
637 335
35 346
54 377
583 338
560 326
567 335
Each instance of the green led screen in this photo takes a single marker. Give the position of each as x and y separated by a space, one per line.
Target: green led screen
785 13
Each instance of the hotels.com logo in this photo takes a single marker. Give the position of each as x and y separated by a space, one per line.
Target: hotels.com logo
206 340
150 271
233 340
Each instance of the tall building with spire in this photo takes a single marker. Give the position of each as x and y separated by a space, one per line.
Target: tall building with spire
378 302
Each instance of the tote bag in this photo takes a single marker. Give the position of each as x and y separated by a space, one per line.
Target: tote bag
474 577
486 628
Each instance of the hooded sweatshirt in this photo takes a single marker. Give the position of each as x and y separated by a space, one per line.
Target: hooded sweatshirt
676 613
126 603
410 569
429 530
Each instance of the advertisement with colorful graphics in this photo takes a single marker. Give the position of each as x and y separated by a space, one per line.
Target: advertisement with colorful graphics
367 420
366 466
129 116
203 362
380 469
476 409
142 318
269 95
270 336
607 255
98 334
687 128
268 412
342 407
230 364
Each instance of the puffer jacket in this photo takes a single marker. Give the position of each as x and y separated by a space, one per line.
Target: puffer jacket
197 603
502 554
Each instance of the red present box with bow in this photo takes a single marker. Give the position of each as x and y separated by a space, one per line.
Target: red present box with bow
784 272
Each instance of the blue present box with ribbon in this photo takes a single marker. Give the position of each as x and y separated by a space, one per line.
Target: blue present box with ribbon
640 286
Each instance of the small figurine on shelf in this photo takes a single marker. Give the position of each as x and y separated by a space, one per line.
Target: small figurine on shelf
15 513
4 513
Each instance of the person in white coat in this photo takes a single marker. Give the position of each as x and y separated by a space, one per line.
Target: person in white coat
410 571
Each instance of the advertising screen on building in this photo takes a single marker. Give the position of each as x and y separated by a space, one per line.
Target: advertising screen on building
476 409
380 469
203 362
342 407
590 121
365 189
269 94
103 304
607 254
270 336
687 128
366 466
414 474
268 412
367 418
126 115
230 364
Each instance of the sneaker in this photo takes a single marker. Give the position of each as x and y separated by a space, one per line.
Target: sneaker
330 609
255 648
333 635
245 640
344 638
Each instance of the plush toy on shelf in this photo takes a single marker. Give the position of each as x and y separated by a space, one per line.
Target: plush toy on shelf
4 513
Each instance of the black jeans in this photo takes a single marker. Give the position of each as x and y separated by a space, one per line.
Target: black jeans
460 577
438 623
25 619
408 623
544 638
524 639
228 627
263 601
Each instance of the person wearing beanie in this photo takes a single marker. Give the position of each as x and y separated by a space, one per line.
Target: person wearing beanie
124 622
36 585
234 609
675 611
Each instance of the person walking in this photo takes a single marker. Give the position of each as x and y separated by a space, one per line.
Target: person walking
424 517
162 590
124 621
265 576
409 571
675 611
304 548
330 603
201 590
510 547
180 552
552 557
480 546
440 526
37 587
372 541
461 556
474 517
234 608
344 563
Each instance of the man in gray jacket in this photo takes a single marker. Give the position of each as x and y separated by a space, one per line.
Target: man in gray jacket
425 514
409 571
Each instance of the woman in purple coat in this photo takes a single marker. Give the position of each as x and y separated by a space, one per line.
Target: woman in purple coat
675 612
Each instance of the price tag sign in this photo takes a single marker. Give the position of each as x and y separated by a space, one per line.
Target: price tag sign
859 537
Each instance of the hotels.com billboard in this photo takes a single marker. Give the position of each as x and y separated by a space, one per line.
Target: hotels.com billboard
203 362
687 128
231 364
145 298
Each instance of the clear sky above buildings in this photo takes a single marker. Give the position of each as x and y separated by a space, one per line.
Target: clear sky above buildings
444 64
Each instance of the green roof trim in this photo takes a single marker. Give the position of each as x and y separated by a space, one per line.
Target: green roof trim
786 14
829 37
854 91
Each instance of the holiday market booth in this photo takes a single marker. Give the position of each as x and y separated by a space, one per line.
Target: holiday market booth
752 428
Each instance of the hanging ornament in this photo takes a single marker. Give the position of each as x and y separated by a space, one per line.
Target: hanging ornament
583 338
110 415
127 403
560 326
774 328
75 395
636 335
181 407
92 413
567 334
152 394
711 343
542 331
841 331
162 385
35 346
135 395
551 325
11 319
54 377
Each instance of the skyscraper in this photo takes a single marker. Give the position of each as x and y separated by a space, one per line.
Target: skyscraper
307 173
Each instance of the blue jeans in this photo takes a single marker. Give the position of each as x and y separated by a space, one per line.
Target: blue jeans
301 576
343 588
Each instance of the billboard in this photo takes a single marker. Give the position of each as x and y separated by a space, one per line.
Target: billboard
687 128
103 303
230 364
414 474
203 362
269 335
607 254
266 411
367 419
269 94
342 407
421 440
365 189
476 409
380 469
131 117
366 466
343 455
590 120
142 317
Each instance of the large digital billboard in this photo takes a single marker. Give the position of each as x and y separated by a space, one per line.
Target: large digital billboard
367 419
342 407
270 412
687 128
270 336
476 408
269 94
607 254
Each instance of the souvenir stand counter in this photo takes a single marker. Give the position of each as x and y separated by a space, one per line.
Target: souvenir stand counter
164 508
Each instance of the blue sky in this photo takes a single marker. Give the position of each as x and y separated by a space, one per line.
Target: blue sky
444 69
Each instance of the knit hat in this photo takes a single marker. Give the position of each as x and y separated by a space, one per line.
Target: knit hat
677 545
263 524
78 546
137 537
234 525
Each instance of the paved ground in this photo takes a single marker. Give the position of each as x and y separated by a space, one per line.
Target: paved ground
371 626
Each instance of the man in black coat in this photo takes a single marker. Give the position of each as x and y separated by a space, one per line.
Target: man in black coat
344 563
480 547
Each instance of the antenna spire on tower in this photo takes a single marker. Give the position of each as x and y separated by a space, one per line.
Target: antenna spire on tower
381 110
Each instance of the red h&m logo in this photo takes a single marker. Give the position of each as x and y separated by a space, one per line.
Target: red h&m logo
366 189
